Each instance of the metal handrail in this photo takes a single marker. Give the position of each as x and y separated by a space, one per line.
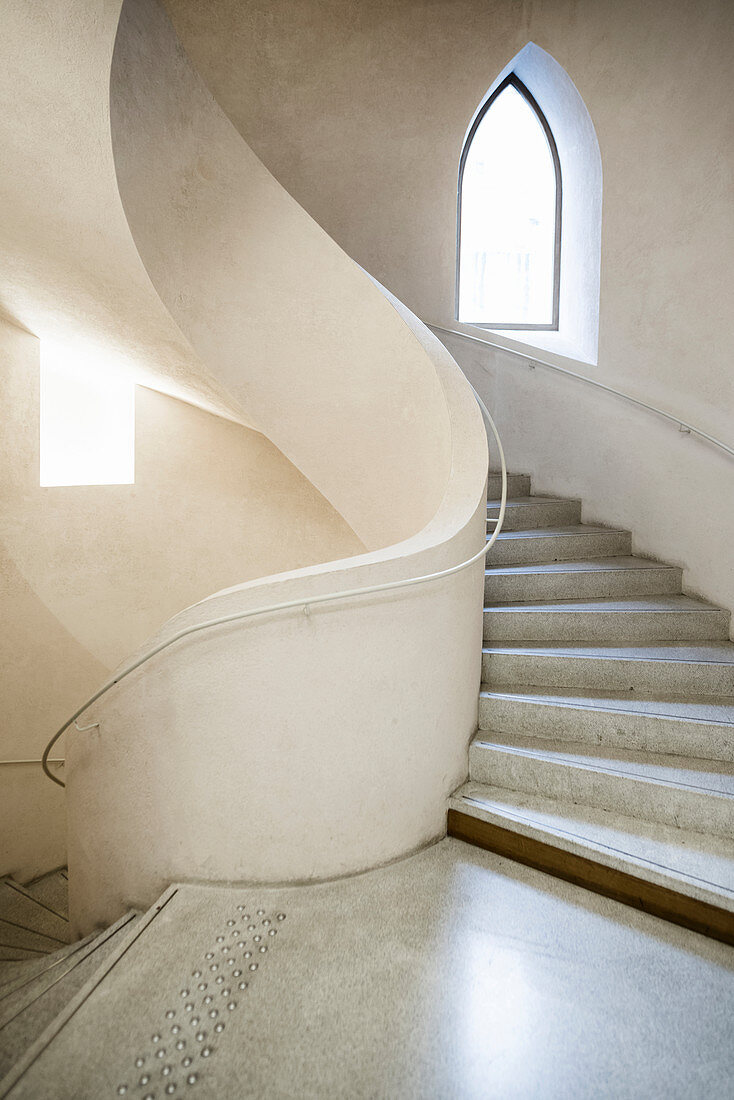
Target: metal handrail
7 763
683 425
289 604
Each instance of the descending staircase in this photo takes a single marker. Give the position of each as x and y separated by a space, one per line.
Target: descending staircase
605 749
33 920
40 969
605 756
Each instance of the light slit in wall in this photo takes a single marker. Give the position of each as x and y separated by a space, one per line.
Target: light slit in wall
87 420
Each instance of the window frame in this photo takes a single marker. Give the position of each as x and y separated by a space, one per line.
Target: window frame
514 81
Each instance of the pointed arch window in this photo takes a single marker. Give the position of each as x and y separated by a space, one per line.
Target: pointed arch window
509 224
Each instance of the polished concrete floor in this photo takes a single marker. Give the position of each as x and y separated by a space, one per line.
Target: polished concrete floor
451 974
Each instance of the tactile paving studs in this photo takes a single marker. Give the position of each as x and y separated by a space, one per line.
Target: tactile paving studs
198 1004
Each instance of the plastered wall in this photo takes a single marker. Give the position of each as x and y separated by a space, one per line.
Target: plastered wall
360 110
87 573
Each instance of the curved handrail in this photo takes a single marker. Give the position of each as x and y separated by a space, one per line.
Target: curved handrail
288 604
683 425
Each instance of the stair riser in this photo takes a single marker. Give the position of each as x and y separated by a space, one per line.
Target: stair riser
666 677
17 954
615 729
32 1007
685 808
614 873
52 890
620 584
16 906
518 485
524 551
26 939
605 626
524 517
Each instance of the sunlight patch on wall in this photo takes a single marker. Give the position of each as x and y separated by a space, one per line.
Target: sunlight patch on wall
87 420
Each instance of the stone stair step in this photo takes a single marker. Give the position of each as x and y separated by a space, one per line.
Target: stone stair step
679 874
518 485
13 975
644 619
147 985
590 578
10 955
28 1011
705 668
20 908
523 513
547 544
701 726
52 891
684 792
25 939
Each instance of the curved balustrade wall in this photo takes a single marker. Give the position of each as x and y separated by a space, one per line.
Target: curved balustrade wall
297 745
281 316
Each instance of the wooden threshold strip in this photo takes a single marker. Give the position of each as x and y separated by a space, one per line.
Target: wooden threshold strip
661 901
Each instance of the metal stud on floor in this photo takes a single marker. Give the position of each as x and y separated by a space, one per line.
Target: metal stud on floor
197 1006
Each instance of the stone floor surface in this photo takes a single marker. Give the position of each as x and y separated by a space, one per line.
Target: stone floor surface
452 974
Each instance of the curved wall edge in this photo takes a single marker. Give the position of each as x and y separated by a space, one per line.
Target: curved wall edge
290 747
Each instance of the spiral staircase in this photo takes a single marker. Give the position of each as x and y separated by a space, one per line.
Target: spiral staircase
604 755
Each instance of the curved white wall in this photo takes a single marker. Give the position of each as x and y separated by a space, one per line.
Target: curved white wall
87 572
69 269
293 329
658 82
290 746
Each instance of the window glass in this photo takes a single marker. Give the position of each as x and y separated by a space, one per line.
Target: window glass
508 231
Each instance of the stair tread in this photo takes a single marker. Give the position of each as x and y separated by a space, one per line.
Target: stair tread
659 603
679 771
712 709
556 532
583 565
15 974
26 1012
24 911
524 502
701 863
52 891
681 652
26 939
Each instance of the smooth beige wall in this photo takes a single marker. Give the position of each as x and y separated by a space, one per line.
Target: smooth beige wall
360 110
313 732
283 319
281 747
88 572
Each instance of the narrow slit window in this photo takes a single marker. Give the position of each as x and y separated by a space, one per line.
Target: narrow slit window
87 422
509 216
